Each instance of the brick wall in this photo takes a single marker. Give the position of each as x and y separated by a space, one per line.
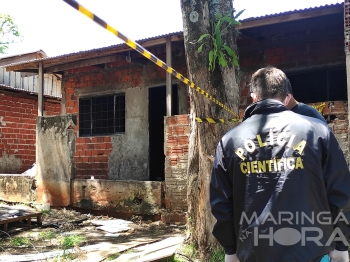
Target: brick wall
336 114
292 47
18 114
91 157
177 131
92 153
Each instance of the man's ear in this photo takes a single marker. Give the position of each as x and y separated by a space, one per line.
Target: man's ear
254 96
287 99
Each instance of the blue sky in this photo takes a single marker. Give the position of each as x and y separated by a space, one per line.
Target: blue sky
57 28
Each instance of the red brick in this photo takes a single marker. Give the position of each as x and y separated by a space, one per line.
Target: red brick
182 140
173 161
178 130
177 151
172 141
183 119
171 120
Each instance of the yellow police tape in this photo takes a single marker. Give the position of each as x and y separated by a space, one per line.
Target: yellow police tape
213 120
151 57
319 107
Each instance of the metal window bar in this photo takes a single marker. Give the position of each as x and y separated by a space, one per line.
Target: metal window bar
106 115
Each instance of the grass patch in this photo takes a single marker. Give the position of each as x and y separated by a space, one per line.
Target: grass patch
19 241
218 255
72 241
112 257
47 235
190 250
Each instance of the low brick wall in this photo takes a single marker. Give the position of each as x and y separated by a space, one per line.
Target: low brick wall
177 131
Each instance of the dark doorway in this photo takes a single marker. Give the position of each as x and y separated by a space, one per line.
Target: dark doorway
156 113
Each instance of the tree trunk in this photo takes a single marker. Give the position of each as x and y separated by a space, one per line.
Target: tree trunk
204 137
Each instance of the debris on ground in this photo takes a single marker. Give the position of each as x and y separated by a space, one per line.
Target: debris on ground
68 235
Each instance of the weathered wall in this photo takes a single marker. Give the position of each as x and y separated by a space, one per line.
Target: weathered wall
133 197
55 167
120 156
17 188
122 163
177 131
18 112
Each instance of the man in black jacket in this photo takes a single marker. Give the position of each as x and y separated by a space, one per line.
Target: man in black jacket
280 185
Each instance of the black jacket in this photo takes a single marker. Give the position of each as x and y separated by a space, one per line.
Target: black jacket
272 177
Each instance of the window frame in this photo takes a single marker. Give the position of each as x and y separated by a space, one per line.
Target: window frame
117 129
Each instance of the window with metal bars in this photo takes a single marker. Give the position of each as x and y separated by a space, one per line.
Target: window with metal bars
102 115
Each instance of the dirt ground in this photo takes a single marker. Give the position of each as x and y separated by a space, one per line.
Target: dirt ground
64 228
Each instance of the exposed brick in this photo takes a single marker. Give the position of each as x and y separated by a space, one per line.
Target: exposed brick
172 141
171 120
182 140
178 130
182 119
18 135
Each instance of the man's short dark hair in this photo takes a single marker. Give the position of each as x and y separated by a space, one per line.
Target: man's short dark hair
270 82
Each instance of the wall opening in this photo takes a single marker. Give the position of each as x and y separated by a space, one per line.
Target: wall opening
319 85
156 113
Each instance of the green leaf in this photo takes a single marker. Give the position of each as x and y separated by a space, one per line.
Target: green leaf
218 39
227 19
202 37
239 13
211 56
235 61
201 47
222 60
228 50
218 16
232 54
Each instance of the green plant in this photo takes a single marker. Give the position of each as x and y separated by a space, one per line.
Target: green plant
20 241
71 241
218 255
8 32
189 250
47 235
219 25
112 256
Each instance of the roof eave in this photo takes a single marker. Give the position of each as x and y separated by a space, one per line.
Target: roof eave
292 16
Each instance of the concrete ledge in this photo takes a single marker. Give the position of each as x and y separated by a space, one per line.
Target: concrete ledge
17 188
136 197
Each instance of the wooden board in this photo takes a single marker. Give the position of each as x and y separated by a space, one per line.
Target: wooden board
10 214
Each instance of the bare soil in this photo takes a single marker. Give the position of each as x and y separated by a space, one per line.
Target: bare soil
60 223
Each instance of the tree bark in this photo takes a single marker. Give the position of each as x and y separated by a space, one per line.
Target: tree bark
205 136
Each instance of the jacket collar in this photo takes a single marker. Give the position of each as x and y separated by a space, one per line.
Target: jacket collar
267 106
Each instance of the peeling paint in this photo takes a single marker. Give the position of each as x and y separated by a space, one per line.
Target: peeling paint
2 122
9 164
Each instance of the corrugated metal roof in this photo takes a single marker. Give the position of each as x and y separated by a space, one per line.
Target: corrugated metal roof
123 45
96 49
289 12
